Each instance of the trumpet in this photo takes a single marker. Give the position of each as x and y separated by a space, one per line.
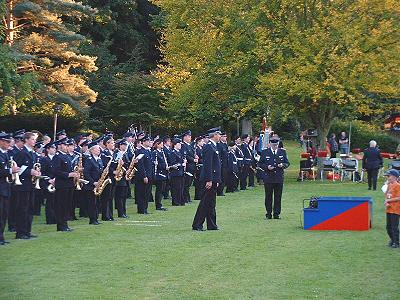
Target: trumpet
36 179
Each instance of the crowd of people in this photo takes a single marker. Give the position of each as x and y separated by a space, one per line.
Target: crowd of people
96 175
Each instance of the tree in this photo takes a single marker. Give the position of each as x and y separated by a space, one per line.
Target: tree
126 47
330 58
43 34
209 64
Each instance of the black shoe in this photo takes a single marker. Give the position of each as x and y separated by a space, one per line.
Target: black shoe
390 243
111 219
32 236
2 243
69 229
146 213
268 217
198 229
162 208
277 217
394 245
369 189
215 228
22 237
123 216
95 222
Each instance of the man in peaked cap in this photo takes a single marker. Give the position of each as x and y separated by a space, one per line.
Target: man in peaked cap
189 154
210 178
143 177
273 162
6 172
61 134
222 147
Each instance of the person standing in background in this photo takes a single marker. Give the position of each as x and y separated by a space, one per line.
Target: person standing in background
372 162
344 143
333 145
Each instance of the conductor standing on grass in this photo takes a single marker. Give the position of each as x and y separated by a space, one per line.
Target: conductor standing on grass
372 162
210 178
273 161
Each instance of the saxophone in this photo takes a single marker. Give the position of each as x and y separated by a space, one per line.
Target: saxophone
103 181
131 170
36 179
120 169
79 169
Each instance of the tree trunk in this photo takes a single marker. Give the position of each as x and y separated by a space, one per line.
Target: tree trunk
10 26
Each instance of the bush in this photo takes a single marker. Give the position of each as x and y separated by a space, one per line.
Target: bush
362 133
41 123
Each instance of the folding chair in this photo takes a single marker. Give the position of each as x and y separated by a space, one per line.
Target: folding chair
328 166
305 167
348 166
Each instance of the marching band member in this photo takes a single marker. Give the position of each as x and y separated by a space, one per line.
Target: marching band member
121 185
273 161
198 189
64 183
222 148
191 158
143 176
6 171
46 163
160 172
176 173
25 159
17 147
167 152
92 170
211 178
239 156
107 195
247 161
232 169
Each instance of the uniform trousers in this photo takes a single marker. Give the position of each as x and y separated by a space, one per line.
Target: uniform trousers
49 208
4 202
12 212
24 212
92 200
188 181
62 201
206 209
224 180
243 176
231 182
142 191
160 186
392 227
121 193
106 202
273 195
177 190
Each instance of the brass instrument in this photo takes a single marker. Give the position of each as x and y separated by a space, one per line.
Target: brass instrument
36 179
51 188
120 167
103 181
14 176
130 172
79 169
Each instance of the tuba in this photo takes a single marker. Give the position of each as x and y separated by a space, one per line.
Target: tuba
103 181
36 179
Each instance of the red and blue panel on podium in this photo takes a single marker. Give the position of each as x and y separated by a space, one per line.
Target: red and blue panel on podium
339 213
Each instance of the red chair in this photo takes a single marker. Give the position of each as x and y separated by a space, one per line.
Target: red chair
323 154
356 151
305 155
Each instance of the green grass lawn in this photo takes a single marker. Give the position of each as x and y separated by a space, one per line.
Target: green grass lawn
159 257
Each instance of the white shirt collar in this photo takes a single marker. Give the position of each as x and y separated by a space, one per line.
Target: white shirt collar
214 143
3 151
28 148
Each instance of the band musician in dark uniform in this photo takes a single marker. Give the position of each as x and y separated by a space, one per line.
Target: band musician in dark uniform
6 171
64 183
210 178
92 170
273 162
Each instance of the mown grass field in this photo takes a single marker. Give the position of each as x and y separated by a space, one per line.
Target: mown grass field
159 257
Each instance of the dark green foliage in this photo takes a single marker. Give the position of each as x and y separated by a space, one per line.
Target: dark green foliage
362 133
39 122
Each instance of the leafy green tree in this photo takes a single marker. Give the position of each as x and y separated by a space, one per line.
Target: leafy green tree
43 33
